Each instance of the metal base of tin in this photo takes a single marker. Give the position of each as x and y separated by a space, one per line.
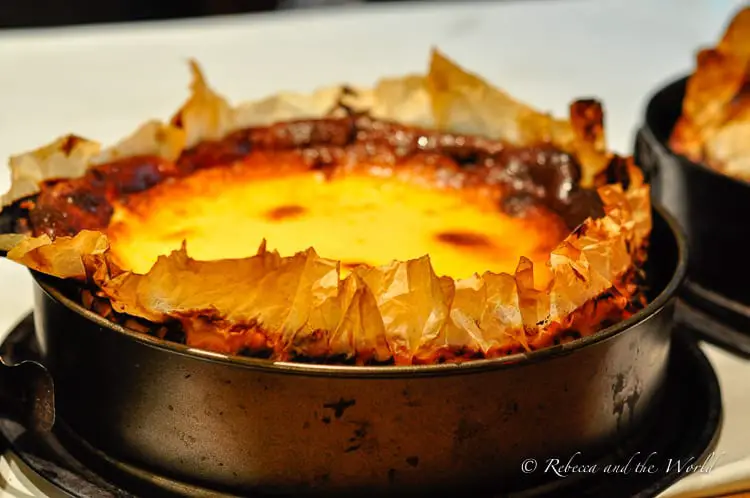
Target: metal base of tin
687 430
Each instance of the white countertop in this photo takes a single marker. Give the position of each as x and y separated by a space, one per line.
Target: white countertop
102 82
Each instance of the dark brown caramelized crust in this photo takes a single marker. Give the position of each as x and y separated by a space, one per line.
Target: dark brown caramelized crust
530 177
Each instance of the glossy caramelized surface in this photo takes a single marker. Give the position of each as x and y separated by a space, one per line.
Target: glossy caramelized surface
354 218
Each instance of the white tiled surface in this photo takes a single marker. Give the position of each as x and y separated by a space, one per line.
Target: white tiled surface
102 82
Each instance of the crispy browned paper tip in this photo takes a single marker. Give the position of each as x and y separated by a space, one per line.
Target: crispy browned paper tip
715 119
300 305
66 157
451 99
464 102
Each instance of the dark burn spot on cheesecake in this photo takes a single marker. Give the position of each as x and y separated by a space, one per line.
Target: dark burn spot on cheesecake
285 212
350 265
464 239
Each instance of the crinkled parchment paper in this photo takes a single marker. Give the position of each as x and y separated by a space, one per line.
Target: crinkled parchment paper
300 304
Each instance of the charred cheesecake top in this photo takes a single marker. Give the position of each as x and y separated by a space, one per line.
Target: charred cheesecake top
431 218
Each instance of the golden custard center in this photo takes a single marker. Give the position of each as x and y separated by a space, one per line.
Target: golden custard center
354 218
